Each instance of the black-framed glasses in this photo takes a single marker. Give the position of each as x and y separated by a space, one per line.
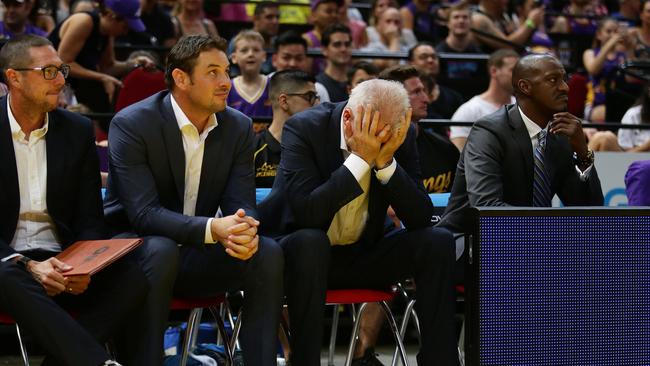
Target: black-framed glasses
50 71
310 96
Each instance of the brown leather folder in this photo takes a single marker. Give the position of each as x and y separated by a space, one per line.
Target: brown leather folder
91 256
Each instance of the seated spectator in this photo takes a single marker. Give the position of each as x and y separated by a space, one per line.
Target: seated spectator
337 49
391 37
15 19
611 48
85 41
323 14
188 18
443 101
539 42
266 21
250 90
641 34
376 8
50 198
628 139
360 72
574 24
459 39
498 94
290 52
421 17
491 18
41 17
158 23
336 179
425 58
357 25
637 183
291 91
628 12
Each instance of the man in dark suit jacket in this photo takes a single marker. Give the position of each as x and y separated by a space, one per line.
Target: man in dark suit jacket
342 166
176 159
498 165
50 198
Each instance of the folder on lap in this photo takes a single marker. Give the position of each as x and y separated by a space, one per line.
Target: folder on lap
88 257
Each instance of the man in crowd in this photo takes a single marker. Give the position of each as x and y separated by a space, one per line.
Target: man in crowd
498 94
291 91
360 72
50 198
526 153
337 49
176 159
290 52
15 19
342 165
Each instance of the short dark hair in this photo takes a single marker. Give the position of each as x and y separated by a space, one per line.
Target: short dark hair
289 38
367 66
400 73
185 52
288 81
334 28
497 57
15 53
260 7
419 44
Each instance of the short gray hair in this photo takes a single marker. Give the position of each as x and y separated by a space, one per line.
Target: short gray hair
387 96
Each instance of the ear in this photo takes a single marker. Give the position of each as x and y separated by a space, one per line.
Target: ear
524 86
282 102
11 77
347 115
493 71
181 79
233 56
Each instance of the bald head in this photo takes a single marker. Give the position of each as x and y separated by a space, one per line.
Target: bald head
528 67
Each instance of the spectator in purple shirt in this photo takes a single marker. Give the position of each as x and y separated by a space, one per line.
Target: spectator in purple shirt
15 20
637 183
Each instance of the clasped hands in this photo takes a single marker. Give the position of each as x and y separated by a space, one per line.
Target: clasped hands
51 274
237 233
373 140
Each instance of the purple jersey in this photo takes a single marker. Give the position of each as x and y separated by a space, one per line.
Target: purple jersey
258 105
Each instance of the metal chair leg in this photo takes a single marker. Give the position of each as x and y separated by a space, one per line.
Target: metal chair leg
192 327
234 339
355 334
402 331
393 327
335 325
461 344
23 350
222 330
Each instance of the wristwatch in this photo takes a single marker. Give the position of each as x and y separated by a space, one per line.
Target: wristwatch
22 261
586 161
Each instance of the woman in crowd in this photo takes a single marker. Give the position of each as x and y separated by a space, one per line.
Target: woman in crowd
189 18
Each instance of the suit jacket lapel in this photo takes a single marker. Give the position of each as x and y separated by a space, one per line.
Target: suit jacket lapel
56 155
522 140
333 152
8 170
174 146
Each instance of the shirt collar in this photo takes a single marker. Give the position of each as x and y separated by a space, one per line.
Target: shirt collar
183 121
532 127
17 133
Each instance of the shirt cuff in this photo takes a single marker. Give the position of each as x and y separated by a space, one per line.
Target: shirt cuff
584 175
208 233
11 257
384 175
357 166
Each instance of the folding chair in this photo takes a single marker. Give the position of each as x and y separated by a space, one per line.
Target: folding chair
6 319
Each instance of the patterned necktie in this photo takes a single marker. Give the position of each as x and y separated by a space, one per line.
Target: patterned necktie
542 194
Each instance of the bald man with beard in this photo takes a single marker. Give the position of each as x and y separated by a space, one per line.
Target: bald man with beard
525 153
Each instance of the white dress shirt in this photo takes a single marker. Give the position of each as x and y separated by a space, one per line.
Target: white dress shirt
193 146
35 228
533 132
350 221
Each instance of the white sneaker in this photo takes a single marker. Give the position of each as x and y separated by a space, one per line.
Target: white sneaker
111 363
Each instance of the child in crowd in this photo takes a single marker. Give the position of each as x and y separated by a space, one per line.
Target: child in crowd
250 91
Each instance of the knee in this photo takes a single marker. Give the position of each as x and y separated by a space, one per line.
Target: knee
270 257
308 249
159 257
440 245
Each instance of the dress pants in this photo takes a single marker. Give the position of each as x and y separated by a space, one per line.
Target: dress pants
113 295
194 273
312 266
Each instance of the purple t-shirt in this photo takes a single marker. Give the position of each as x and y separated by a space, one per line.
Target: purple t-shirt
260 107
637 183
5 33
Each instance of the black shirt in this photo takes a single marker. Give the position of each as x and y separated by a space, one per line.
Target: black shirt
337 90
438 160
468 77
267 159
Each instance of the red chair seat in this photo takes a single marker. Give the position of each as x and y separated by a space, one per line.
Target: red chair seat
6 319
188 304
357 296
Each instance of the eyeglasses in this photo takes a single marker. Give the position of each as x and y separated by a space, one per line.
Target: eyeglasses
50 71
310 96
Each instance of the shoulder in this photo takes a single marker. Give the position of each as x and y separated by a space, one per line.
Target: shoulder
73 123
632 116
313 120
494 121
145 112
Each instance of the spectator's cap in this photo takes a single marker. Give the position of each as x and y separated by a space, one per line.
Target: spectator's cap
130 10
315 3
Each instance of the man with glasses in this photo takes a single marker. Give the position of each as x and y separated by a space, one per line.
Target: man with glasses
291 91
50 198
337 49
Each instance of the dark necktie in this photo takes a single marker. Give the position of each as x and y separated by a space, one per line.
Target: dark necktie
542 194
